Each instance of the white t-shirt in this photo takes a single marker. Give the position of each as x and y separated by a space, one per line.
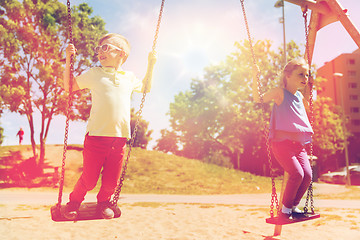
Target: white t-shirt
111 96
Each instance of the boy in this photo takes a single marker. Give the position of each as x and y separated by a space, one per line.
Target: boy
20 133
109 122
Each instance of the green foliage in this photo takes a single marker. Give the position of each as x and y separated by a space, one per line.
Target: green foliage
217 116
167 142
329 135
33 40
142 134
217 120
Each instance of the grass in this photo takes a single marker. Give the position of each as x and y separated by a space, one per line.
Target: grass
156 172
352 193
25 150
159 173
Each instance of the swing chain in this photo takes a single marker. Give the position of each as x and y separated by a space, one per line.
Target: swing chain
158 26
132 140
274 198
307 52
116 195
68 110
69 22
248 33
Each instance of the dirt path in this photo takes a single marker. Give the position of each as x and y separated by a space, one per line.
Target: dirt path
25 214
31 197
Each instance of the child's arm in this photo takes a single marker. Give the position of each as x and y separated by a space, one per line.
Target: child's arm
276 94
70 50
147 81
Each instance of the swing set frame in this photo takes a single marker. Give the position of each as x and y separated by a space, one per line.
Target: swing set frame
323 13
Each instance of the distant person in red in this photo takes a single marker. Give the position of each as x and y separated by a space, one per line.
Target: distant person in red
21 135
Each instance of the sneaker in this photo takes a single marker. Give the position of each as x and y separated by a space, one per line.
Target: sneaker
297 210
105 210
298 214
71 210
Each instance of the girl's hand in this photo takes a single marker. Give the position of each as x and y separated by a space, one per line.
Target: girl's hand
70 50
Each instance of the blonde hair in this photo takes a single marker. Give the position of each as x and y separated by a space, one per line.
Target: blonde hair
290 67
119 41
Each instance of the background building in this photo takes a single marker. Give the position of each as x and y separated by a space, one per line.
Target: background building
343 87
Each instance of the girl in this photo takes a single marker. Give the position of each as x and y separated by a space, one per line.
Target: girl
290 131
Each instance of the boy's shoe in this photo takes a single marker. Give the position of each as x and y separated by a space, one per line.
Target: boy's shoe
71 210
105 210
299 214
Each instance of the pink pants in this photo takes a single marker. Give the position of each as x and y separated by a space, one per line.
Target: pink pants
293 158
106 153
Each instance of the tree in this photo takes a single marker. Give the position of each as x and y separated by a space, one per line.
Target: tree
328 133
33 39
217 118
217 115
142 135
168 142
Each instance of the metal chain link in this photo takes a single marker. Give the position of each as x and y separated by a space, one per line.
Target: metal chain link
309 194
68 110
274 198
117 192
158 26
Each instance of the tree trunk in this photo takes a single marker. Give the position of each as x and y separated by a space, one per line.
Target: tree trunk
43 135
42 155
29 111
235 160
249 164
32 134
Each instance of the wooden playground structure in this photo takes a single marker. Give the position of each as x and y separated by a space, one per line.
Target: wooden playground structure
324 12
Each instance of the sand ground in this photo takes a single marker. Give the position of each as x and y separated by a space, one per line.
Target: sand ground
25 214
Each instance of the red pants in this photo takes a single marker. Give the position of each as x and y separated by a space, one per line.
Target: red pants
106 153
293 158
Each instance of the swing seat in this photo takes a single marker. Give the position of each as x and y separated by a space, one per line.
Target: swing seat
281 221
87 211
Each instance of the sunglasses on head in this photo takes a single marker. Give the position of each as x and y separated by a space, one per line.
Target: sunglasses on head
106 47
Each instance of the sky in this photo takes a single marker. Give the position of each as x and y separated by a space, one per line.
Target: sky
194 34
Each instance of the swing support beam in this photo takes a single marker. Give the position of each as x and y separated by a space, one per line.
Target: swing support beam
323 13
312 5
